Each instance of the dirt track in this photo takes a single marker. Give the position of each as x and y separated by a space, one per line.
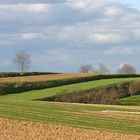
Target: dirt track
21 130
44 77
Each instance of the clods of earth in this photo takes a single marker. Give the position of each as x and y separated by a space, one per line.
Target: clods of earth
26 130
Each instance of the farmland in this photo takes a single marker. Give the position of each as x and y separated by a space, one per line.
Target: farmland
103 118
69 70
134 100
44 77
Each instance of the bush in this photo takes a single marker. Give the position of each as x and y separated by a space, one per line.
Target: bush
108 95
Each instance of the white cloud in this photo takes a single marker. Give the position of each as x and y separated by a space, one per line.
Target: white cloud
106 38
86 5
21 14
8 39
37 7
137 34
31 36
24 7
122 51
68 24
114 11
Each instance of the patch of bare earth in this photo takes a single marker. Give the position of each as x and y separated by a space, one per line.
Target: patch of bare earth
22 130
45 77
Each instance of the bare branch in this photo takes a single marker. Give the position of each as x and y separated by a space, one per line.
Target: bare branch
126 69
22 60
86 69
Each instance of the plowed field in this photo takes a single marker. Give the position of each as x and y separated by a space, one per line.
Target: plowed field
21 130
44 77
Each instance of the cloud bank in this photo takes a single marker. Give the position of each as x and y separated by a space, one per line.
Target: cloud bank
79 31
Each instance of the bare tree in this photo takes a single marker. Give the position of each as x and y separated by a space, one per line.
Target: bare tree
103 68
86 68
95 70
22 60
126 69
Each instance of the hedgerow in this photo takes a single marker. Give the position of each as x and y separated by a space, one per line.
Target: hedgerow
6 88
16 74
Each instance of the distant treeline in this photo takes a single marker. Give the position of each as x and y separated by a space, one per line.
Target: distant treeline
16 74
16 87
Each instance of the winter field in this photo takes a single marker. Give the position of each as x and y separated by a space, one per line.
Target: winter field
30 118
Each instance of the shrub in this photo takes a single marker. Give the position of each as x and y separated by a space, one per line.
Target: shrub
107 95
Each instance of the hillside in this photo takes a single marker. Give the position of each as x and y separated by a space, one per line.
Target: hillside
133 100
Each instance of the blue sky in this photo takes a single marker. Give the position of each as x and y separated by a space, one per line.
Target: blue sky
133 3
62 35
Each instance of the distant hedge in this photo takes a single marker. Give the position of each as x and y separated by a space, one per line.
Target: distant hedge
6 88
16 74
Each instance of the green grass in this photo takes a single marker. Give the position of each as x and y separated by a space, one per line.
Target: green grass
133 100
37 94
21 106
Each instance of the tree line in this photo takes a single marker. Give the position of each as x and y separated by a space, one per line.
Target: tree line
102 68
22 60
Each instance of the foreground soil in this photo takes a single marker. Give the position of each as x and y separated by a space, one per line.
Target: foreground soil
22 130
45 77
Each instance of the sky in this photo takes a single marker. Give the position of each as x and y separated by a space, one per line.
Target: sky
62 35
132 3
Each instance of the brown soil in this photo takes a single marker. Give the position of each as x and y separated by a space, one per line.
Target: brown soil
45 77
21 130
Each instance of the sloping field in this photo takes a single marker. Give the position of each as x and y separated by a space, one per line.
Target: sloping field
75 115
45 77
37 94
22 130
133 100
22 107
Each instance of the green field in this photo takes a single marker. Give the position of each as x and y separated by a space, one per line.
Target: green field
133 100
37 94
21 106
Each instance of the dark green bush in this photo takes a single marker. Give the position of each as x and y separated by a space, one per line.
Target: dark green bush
16 74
